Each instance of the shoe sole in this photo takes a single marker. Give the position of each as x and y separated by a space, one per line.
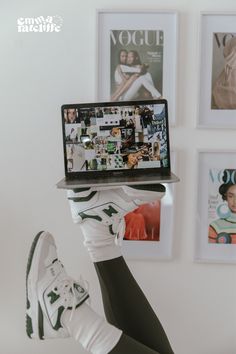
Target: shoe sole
158 187
30 327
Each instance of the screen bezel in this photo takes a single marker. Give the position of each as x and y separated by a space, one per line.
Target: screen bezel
166 171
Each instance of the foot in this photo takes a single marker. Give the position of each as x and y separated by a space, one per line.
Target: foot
49 290
106 205
100 212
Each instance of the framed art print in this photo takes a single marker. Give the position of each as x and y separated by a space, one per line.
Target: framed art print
216 207
217 86
149 228
137 55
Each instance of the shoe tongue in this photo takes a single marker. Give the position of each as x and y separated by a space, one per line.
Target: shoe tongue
57 271
77 296
49 255
118 227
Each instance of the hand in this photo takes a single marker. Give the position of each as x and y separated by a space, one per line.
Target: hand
144 68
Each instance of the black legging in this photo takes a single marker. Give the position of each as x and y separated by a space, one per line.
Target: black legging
127 308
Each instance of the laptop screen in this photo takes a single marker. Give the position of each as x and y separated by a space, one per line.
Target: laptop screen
120 136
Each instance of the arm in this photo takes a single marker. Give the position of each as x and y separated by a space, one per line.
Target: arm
131 69
135 72
120 76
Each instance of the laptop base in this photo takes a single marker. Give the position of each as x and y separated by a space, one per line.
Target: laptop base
116 181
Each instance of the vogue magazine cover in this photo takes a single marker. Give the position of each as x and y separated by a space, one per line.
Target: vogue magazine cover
136 64
224 71
222 206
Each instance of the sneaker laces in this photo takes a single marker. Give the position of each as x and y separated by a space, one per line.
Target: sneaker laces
67 291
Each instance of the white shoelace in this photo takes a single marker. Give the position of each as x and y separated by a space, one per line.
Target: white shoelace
67 291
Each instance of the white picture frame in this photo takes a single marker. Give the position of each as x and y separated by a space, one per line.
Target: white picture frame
210 206
165 22
215 107
162 249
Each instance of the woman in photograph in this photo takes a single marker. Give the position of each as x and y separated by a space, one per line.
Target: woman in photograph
224 89
123 76
70 115
223 230
132 159
70 156
135 76
120 76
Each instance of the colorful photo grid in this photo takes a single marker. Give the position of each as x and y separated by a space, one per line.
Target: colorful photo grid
116 137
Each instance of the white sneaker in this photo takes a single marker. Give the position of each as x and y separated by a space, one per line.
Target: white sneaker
106 205
101 211
49 290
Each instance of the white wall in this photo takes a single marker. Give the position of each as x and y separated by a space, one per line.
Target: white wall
38 73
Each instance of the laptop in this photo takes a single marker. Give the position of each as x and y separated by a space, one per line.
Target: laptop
116 143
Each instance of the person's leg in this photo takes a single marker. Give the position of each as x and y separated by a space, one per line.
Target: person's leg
56 306
128 345
125 304
123 87
149 85
99 337
143 80
132 91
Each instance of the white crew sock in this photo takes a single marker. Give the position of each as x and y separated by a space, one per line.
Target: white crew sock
91 330
101 245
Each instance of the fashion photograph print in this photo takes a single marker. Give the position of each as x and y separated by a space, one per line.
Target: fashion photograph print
136 64
224 71
143 224
222 206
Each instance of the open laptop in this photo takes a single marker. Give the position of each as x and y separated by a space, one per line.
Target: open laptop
116 143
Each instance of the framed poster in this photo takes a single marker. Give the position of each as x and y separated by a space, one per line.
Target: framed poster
137 56
216 207
217 86
149 229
